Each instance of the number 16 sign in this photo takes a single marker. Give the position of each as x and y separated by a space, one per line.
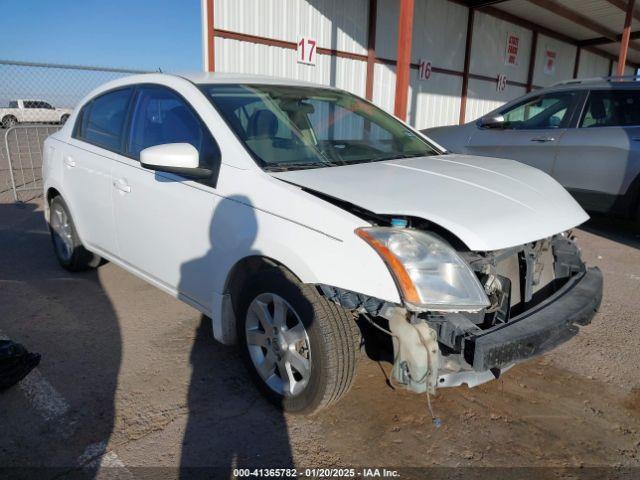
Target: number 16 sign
307 51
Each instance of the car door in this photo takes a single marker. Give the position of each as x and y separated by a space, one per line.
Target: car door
96 141
37 111
484 141
29 112
49 113
163 219
599 160
533 128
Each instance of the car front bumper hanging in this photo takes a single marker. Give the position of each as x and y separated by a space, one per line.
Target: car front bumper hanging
538 330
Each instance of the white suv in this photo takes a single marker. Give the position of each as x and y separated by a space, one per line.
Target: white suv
293 214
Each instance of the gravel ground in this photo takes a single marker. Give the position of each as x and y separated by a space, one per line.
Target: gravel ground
131 384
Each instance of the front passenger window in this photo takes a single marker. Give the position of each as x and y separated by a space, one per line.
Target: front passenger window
161 117
543 112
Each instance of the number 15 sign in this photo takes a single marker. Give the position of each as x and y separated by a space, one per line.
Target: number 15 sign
307 51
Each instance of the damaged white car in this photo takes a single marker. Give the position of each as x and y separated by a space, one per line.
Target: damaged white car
293 214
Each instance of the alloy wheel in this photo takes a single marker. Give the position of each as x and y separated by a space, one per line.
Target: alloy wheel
62 232
278 344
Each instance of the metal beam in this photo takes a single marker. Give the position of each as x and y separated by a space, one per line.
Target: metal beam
622 5
403 66
592 42
624 43
371 48
481 3
211 32
508 17
576 65
579 19
575 17
532 61
467 63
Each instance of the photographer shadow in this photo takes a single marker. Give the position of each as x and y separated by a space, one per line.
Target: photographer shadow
230 424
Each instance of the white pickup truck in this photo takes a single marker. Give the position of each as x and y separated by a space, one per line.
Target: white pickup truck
32 111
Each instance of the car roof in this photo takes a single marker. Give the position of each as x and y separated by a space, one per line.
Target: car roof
597 83
203 78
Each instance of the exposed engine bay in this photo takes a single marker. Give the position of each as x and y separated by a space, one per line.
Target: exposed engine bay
538 293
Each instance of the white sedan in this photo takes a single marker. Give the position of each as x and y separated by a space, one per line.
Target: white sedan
294 214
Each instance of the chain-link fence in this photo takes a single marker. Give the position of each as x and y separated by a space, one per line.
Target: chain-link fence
35 100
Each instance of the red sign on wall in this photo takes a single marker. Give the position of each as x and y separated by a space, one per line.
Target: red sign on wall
550 62
307 51
513 45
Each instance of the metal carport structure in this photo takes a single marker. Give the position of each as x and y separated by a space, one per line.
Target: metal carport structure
379 48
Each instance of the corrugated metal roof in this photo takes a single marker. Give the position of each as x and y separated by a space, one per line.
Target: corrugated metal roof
602 12
533 13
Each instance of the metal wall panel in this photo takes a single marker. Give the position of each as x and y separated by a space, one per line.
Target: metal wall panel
431 103
592 65
439 32
434 102
245 57
483 97
488 50
565 61
337 24
439 37
384 86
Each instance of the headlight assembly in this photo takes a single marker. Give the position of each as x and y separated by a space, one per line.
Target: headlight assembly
428 272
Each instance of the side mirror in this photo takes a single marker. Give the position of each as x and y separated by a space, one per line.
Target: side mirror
178 158
492 121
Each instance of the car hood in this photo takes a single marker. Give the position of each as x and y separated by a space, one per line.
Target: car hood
454 138
488 203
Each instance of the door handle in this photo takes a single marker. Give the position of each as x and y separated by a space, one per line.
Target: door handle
69 162
122 185
543 139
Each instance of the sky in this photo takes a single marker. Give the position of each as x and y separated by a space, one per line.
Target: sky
137 34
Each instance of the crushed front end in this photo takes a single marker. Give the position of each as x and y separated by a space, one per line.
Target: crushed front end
540 294
479 313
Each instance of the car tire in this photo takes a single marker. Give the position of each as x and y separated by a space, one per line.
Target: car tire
67 246
9 121
64 118
311 328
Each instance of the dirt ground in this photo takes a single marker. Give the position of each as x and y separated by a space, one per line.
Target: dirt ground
131 385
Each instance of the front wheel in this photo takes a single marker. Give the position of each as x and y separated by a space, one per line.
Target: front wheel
300 348
66 244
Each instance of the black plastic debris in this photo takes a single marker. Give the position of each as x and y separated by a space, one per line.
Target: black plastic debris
15 363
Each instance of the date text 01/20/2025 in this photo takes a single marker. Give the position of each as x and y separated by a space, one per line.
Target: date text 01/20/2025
316 472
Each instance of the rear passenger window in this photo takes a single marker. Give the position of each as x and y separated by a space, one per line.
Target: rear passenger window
161 116
612 109
103 120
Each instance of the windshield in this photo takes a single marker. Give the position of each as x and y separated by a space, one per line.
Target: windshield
287 127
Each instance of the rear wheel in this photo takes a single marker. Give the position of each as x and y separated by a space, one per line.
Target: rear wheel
63 119
67 246
300 348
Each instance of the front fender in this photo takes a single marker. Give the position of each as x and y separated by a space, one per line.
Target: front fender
312 256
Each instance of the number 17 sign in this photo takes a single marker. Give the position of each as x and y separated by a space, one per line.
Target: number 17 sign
307 51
